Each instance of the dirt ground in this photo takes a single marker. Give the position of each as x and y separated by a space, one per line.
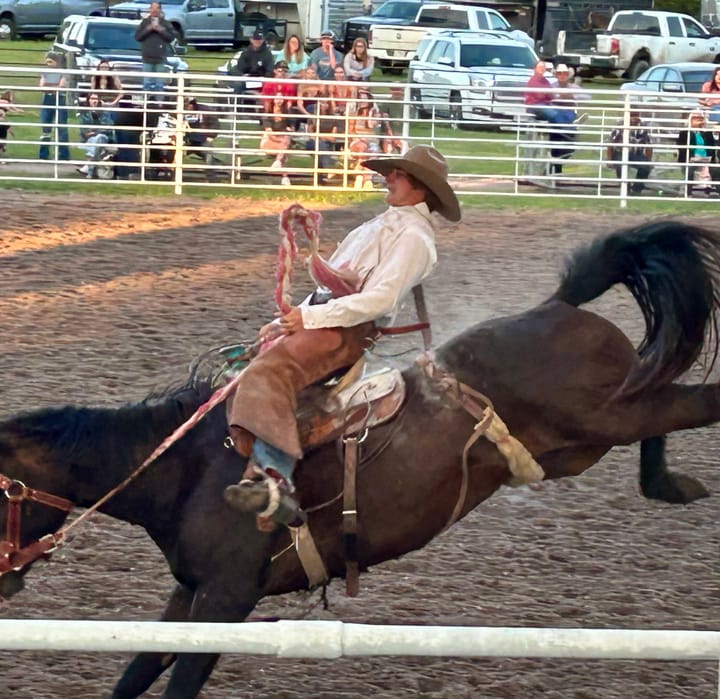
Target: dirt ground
104 299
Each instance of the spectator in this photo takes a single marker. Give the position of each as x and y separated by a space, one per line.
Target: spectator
286 89
637 139
154 34
106 84
294 55
53 113
323 133
256 60
560 138
368 126
697 150
96 129
7 106
310 93
358 63
341 95
276 139
540 103
326 57
712 101
203 126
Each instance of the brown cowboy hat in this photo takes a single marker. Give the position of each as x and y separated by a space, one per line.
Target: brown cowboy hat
428 166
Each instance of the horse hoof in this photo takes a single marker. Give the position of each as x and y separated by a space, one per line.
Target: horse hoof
247 496
676 489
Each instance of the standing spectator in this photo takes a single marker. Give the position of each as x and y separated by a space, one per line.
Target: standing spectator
294 55
96 129
712 101
53 113
540 99
7 106
256 60
106 84
326 57
637 138
697 150
286 90
562 137
358 63
154 34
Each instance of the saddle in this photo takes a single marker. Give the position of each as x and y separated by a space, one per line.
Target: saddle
348 403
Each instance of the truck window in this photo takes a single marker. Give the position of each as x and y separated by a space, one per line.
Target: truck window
498 22
674 26
400 10
114 38
441 49
481 20
673 80
693 28
636 23
447 19
479 55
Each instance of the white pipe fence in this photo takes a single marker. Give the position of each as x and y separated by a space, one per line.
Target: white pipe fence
334 639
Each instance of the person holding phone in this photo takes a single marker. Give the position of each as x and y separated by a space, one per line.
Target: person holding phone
154 34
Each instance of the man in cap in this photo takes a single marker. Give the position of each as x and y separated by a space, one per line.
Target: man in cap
325 57
256 60
391 253
287 89
154 34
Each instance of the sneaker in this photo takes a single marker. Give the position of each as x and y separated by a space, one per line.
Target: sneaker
359 181
285 181
368 185
276 165
82 170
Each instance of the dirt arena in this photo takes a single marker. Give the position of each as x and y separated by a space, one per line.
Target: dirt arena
103 300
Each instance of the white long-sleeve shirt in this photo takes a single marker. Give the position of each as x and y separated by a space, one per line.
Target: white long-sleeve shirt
392 253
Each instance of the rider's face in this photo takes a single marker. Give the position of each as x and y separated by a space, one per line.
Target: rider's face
402 190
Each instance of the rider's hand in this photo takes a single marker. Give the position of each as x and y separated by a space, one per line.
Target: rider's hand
270 331
292 321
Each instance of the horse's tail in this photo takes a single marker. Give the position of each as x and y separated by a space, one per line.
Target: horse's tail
673 271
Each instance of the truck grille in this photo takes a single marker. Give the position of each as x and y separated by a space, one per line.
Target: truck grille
516 95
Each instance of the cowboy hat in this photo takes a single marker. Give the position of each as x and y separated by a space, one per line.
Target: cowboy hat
428 166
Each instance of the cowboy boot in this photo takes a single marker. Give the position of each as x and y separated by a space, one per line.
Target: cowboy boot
269 499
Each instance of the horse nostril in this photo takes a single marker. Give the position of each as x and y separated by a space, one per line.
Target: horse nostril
11 584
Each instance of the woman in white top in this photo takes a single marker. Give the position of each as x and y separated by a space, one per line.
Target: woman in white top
358 63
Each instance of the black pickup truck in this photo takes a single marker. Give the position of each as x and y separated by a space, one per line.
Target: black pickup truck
392 12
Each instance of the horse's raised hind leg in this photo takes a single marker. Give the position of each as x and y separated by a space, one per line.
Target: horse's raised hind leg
145 668
657 482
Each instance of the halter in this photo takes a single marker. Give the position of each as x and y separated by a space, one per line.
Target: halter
12 555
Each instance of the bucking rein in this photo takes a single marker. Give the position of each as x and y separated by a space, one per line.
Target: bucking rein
523 467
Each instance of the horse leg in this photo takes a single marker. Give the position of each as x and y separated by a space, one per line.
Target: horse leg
145 668
660 483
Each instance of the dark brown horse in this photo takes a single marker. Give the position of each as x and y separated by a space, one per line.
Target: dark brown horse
568 383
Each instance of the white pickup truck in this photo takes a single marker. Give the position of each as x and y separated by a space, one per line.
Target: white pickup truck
638 39
394 46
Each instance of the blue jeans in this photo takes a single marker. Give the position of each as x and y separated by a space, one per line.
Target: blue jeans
325 162
54 114
553 115
154 83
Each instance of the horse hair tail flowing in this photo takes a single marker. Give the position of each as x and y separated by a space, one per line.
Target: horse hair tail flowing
673 271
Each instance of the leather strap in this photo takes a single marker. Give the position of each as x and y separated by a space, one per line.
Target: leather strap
309 555
350 548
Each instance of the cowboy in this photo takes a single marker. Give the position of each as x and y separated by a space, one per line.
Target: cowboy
391 253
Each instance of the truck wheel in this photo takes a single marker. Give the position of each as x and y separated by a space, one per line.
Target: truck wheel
717 59
7 28
456 111
637 68
178 33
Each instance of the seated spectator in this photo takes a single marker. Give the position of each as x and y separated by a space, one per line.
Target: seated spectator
325 58
358 63
341 95
7 106
697 149
276 138
323 138
255 61
369 129
309 92
712 102
540 100
294 55
286 89
637 139
96 130
203 126
106 84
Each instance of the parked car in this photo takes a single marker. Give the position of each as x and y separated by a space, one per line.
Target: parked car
465 76
83 41
24 18
392 12
668 91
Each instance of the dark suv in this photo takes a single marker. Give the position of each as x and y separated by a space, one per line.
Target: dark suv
392 12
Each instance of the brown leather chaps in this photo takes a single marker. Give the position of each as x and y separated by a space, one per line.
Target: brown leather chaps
265 400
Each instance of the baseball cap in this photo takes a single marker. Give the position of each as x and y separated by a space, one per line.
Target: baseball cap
281 64
258 34
328 34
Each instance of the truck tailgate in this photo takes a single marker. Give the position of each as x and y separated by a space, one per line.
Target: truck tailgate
395 41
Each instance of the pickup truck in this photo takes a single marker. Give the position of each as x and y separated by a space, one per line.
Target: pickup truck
391 12
208 22
636 40
25 18
394 46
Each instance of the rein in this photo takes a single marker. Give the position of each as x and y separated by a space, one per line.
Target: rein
12 555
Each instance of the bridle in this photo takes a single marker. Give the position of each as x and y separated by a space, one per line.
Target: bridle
13 556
